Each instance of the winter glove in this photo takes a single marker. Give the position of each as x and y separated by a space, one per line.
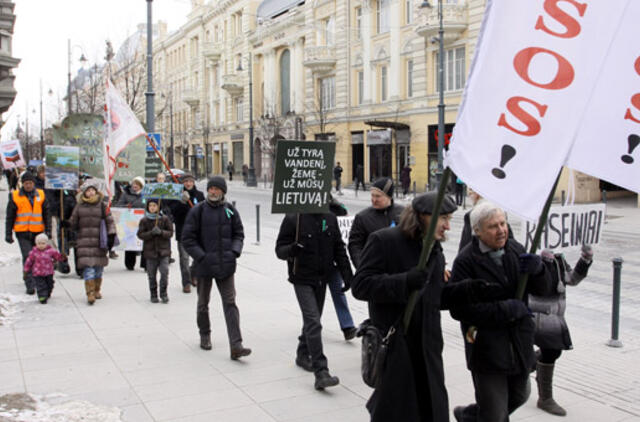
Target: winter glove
156 231
547 255
295 249
586 253
530 263
185 197
110 241
416 278
8 238
514 309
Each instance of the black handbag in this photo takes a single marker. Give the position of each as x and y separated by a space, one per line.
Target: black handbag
374 352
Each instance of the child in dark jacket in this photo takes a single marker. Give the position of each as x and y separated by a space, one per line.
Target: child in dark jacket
40 264
156 230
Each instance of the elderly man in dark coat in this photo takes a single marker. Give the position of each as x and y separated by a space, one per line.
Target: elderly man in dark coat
412 386
498 336
213 236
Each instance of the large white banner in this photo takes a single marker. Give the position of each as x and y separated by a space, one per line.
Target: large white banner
533 73
607 145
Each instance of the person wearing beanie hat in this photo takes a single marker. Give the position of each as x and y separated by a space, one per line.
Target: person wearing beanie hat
500 358
382 213
387 275
27 215
139 181
155 230
40 264
131 197
213 236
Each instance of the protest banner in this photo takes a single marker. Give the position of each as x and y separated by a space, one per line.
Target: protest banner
152 166
567 227
85 131
344 224
11 154
162 191
127 221
302 181
62 165
131 161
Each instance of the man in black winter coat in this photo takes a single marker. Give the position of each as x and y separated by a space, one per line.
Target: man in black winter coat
382 213
191 196
213 236
498 336
312 246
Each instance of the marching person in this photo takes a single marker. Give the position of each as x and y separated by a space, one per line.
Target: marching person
179 210
498 336
27 215
40 265
552 333
382 213
132 198
359 177
313 248
405 179
155 230
413 388
337 176
213 235
40 176
230 170
85 221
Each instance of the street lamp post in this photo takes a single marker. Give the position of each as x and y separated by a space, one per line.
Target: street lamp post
41 126
441 105
82 60
150 94
251 177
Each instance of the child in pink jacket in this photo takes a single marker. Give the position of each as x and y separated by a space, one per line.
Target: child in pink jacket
40 264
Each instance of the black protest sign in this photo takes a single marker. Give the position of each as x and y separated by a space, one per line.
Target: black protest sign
568 227
152 167
302 181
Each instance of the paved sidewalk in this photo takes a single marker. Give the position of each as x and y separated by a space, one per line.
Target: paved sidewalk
144 359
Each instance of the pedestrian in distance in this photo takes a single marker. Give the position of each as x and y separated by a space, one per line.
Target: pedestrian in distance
191 196
132 198
27 215
213 235
245 173
498 336
161 177
359 177
230 170
155 230
382 213
40 264
459 191
552 333
405 179
40 177
85 221
313 248
337 176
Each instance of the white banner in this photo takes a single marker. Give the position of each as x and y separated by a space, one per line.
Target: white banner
11 155
567 227
607 145
344 224
533 73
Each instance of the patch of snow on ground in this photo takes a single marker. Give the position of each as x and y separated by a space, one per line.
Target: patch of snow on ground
10 306
39 410
8 259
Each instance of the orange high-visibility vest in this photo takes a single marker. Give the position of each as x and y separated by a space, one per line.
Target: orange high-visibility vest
29 218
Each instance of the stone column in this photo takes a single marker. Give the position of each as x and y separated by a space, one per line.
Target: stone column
395 76
221 96
369 77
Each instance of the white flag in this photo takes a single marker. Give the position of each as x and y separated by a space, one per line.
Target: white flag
534 69
607 145
121 127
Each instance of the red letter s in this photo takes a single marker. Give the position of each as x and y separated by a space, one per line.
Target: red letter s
635 100
572 25
533 126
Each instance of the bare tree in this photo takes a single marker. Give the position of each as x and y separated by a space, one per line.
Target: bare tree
321 112
90 94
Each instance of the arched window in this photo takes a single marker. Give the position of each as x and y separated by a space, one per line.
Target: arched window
285 82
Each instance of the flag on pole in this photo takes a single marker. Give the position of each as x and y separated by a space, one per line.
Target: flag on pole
526 96
121 128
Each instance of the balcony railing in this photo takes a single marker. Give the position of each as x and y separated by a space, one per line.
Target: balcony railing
454 21
212 50
320 59
191 97
232 82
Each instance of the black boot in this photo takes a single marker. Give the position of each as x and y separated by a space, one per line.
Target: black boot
153 289
304 362
324 380
163 292
205 341
544 379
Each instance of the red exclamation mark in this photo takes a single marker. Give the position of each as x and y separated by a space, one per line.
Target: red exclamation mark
634 141
507 153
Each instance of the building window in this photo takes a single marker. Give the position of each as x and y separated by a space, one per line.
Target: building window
409 78
454 69
327 93
329 30
408 11
239 109
285 82
382 16
359 23
360 87
383 83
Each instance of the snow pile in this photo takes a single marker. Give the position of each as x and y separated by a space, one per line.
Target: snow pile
25 408
9 306
8 259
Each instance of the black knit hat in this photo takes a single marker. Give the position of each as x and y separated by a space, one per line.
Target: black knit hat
28 177
385 185
424 203
218 182
185 177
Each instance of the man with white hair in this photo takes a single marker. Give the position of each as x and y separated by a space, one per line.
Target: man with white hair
498 335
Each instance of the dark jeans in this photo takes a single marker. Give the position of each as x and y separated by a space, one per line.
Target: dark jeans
26 241
44 285
185 268
459 193
340 301
497 396
227 291
153 265
338 184
311 302
358 182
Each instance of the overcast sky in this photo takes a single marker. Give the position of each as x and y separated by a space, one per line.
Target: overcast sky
40 40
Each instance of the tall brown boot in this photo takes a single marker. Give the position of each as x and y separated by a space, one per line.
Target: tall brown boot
98 286
90 287
544 379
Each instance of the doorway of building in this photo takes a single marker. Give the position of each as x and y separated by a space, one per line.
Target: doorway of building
357 158
379 161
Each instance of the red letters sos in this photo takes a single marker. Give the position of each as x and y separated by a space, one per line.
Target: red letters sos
564 75
635 100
